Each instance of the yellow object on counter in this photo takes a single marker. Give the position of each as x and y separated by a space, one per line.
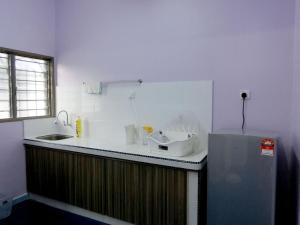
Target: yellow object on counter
148 129
78 127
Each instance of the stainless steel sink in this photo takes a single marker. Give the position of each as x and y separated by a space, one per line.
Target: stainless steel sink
54 137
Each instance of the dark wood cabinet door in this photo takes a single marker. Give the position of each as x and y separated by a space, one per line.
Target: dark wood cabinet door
138 193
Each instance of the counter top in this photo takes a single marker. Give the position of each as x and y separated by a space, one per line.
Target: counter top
137 153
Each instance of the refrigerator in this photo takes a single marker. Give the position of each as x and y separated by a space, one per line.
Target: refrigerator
241 178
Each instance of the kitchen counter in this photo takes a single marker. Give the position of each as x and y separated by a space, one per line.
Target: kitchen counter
53 165
137 153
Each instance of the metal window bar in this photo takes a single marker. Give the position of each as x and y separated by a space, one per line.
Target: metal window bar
37 81
31 90
32 109
5 107
32 100
36 90
13 87
30 71
28 61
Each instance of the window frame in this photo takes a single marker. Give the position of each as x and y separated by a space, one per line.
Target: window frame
12 84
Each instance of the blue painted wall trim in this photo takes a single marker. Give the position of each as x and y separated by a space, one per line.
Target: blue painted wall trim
20 198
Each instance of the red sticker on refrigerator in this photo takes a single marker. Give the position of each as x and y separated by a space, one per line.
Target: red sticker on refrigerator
267 147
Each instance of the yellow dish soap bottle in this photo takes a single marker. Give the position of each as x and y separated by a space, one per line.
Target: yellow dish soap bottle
78 123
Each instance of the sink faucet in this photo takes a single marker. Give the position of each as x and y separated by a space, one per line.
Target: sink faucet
65 122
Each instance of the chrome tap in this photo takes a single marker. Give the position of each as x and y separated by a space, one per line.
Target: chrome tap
65 122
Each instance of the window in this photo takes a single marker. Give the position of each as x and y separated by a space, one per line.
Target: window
26 85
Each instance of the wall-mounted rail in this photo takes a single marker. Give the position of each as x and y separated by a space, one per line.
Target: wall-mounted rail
98 89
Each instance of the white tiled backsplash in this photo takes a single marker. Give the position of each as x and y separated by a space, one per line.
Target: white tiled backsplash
155 104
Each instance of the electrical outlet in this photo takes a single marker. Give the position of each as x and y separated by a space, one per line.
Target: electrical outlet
247 92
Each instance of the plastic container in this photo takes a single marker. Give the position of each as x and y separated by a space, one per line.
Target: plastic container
172 143
131 134
5 206
147 131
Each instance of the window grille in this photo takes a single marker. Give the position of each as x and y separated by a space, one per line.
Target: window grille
26 85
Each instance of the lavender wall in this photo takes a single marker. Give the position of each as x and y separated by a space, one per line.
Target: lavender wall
238 44
296 87
24 25
295 121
